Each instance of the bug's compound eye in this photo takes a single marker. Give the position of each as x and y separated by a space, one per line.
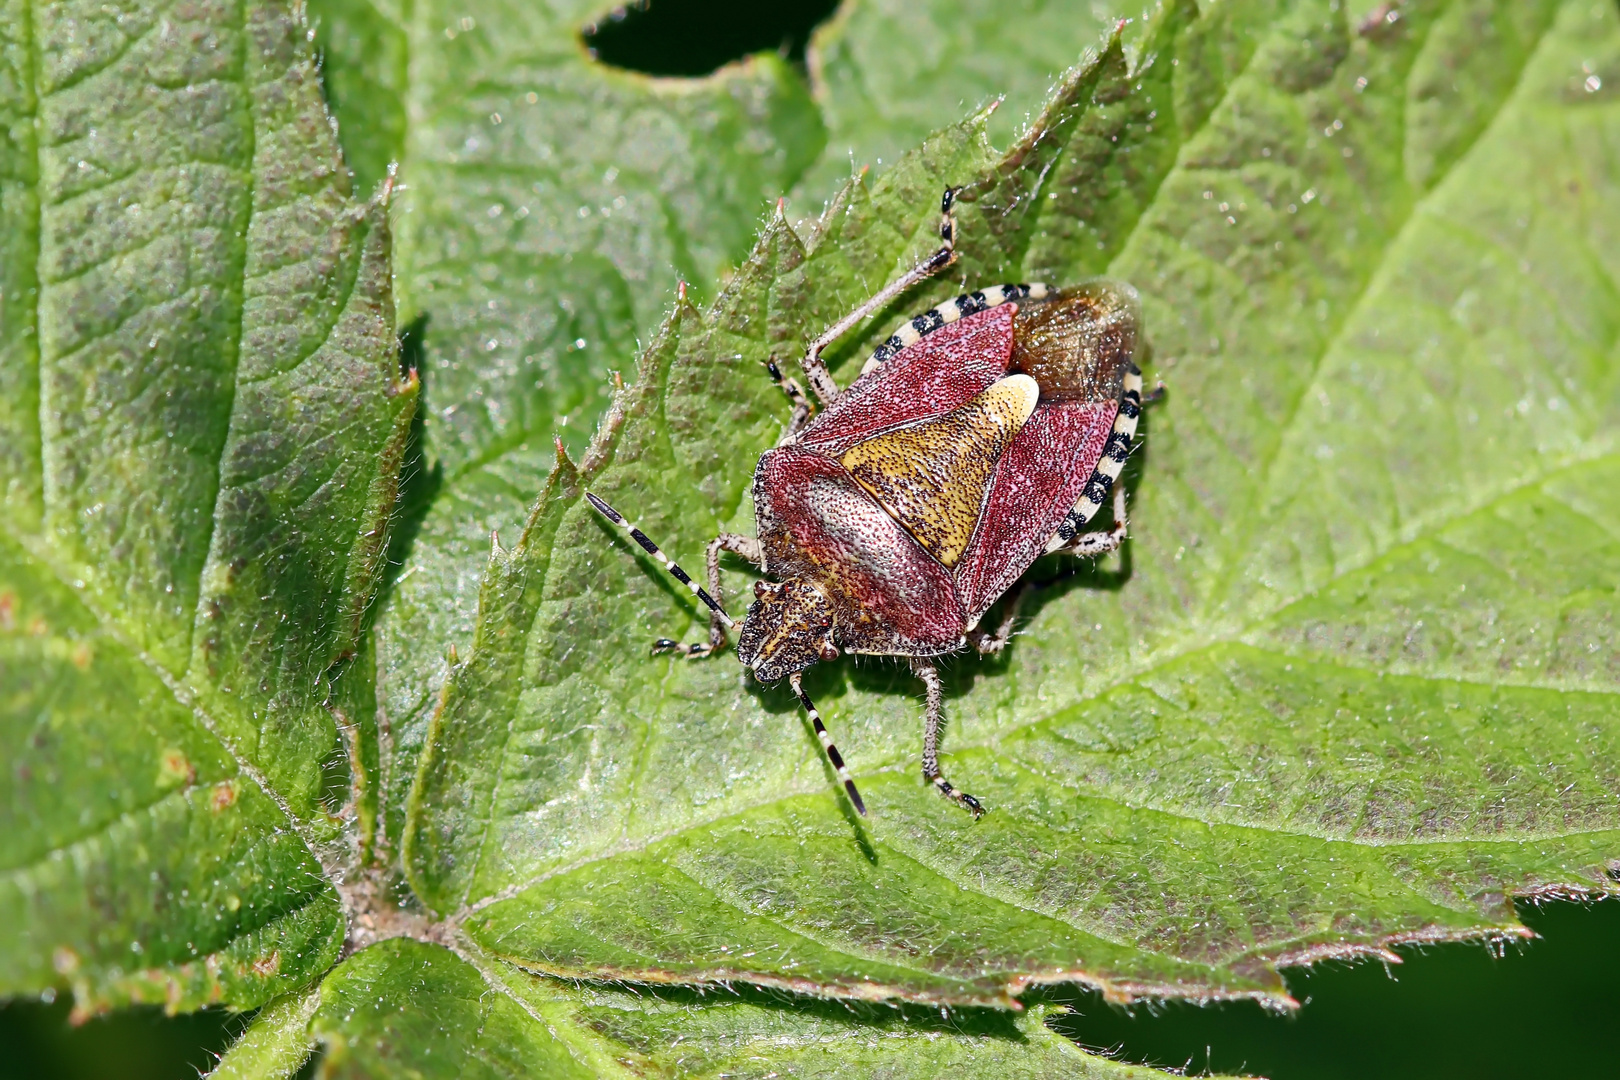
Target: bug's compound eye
828 651
763 588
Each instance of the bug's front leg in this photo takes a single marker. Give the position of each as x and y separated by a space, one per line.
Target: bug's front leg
933 722
750 549
802 409
815 369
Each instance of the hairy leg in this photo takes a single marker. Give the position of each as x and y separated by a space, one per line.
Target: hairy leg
815 369
932 723
750 549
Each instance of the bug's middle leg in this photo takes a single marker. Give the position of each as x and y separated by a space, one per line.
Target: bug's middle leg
746 546
932 723
815 369
988 644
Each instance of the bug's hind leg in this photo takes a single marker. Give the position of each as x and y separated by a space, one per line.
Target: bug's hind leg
932 723
750 549
815 369
1102 541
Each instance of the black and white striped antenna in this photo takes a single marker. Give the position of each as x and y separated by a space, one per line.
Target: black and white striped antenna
795 680
669 564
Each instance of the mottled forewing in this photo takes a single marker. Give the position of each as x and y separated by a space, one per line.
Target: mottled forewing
940 372
1037 481
889 596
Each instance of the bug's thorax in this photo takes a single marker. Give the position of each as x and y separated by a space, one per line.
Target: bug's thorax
789 627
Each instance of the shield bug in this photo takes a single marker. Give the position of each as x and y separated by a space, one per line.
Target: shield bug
985 433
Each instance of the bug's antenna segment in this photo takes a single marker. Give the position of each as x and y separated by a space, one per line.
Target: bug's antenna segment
669 564
837 759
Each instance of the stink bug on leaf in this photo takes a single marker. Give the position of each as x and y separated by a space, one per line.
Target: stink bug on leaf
985 433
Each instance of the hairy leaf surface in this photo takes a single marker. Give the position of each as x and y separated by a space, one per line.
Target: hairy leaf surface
202 430
550 206
1351 684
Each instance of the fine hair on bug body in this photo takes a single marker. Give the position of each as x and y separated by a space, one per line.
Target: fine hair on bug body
894 513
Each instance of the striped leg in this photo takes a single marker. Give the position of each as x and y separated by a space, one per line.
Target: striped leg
815 370
932 723
914 330
837 759
719 621
802 409
1101 542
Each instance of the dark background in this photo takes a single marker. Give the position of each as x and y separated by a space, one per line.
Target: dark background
1459 1010
1542 1009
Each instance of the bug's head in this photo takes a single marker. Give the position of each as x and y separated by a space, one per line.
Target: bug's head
788 628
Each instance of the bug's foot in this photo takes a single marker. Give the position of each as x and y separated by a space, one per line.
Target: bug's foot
961 798
694 651
988 644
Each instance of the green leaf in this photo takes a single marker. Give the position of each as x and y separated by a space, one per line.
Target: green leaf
381 1010
550 206
1351 684
202 429
890 72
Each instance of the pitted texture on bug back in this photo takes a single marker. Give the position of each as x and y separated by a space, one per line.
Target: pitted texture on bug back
932 475
938 373
817 524
788 628
1039 478
1079 343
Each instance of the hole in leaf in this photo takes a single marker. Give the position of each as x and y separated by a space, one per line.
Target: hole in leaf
694 37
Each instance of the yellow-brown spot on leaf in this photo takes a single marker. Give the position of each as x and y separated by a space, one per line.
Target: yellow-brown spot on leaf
175 768
81 655
8 610
38 627
223 797
932 476
266 966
